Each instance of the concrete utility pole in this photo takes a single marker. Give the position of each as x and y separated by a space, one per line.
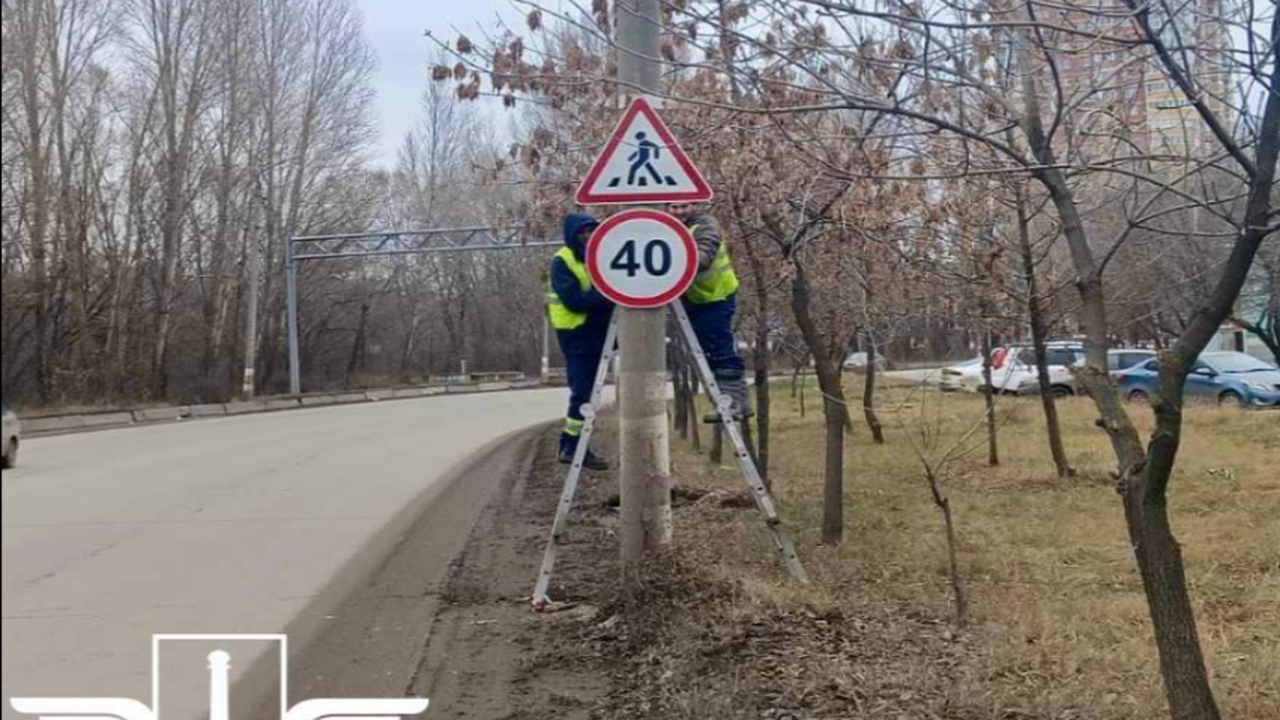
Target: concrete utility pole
646 442
249 388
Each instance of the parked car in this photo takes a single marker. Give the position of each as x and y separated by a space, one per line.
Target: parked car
960 377
12 436
1014 371
1121 360
1064 381
858 362
1228 378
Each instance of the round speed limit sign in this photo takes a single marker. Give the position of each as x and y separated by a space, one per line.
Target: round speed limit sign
642 258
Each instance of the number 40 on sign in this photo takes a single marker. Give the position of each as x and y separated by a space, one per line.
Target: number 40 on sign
642 259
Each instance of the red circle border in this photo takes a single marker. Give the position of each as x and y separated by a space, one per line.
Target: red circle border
611 224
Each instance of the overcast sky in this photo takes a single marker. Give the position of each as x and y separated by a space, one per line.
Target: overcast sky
396 27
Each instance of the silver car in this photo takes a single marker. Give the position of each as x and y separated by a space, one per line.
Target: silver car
12 436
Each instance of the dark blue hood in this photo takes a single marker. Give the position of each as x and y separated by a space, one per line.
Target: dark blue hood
574 224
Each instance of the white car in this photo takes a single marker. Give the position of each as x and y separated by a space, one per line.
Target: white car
1013 370
12 436
1062 383
965 376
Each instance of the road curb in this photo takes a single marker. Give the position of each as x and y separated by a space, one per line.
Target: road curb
54 425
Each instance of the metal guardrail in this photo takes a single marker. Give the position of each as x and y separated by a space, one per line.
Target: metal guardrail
477 378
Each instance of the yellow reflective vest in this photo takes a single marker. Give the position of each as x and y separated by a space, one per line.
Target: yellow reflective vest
717 282
562 318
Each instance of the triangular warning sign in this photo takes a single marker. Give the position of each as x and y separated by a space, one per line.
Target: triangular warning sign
643 164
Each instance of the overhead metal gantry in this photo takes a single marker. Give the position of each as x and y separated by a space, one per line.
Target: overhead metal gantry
360 246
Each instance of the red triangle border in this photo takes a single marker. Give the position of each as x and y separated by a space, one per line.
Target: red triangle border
701 193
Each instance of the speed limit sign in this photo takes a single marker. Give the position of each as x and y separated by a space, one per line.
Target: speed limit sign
642 258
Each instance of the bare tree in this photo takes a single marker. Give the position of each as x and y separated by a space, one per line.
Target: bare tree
959 48
172 43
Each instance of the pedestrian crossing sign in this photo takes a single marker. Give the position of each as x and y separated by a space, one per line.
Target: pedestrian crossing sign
643 164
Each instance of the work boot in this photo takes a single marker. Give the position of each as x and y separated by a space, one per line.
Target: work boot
569 448
739 406
595 462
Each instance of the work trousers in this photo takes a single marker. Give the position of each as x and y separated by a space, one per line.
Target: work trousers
713 324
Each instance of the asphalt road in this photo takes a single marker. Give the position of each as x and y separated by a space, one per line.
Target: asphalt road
222 526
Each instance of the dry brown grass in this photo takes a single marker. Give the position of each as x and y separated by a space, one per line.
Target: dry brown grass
1060 628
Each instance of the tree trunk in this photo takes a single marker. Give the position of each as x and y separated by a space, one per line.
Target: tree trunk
763 359
181 87
359 347
943 503
871 348
218 302
798 386
989 395
1040 338
1164 579
695 426
685 403
680 376
869 392
1158 554
748 438
410 345
68 236
835 409
833 496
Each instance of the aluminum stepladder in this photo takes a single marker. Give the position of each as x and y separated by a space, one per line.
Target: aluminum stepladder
782 541
541 597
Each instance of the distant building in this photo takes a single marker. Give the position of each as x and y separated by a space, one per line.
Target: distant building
1139 99
1172 120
